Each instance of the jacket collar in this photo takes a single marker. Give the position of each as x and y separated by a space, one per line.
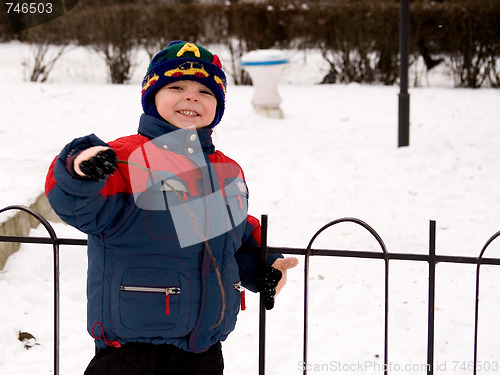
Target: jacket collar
154 128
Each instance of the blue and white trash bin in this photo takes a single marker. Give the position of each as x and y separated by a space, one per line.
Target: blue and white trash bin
264 67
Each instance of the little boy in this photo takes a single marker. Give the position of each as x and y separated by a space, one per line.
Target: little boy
169 245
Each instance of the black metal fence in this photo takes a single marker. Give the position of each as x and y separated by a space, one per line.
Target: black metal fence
431 258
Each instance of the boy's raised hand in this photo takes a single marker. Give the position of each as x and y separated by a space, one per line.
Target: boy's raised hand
95 163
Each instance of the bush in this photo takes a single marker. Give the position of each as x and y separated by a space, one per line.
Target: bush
473 53
111 32
358 38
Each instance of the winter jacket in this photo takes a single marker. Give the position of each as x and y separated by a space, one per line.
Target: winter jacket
168 237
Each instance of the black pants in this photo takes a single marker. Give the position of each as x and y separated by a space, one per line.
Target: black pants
150 359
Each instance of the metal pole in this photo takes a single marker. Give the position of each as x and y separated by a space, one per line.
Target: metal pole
432 295
55 245
306 308
476 317
262 306
404 97
57 314
386 315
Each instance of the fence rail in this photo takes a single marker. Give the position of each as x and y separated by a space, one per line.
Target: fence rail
431 258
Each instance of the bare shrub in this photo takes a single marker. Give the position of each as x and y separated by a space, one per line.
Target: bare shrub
43 59
111 32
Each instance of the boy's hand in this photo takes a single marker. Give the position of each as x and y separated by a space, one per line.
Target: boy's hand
273 278
284 264
95 163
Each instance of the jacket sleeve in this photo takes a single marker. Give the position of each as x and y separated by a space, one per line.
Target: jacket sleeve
81 203
248 258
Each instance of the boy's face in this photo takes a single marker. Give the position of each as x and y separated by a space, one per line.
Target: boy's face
186 104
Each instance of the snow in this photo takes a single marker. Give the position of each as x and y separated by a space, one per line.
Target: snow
334 154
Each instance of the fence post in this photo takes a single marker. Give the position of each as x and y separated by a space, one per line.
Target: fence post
306 305
476 313
55 247
262 305
432 289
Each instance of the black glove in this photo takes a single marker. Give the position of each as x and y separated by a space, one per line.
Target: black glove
267 280
99 166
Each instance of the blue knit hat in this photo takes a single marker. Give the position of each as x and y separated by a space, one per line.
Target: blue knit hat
184 61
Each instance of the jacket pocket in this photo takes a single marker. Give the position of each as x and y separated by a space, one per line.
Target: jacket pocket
150 296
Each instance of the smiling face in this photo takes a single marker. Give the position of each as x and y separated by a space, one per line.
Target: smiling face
186 104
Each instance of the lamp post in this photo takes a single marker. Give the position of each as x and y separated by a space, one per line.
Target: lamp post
404 97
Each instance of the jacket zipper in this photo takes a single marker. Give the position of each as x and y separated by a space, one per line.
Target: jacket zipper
237 286
145 289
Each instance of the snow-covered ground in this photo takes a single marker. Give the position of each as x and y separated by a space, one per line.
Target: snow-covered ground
333 155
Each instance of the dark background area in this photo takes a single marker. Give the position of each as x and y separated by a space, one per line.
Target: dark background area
358 38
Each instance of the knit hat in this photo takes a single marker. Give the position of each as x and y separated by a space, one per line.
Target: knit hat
184 61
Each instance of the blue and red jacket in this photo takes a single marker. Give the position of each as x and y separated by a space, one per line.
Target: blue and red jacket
145 283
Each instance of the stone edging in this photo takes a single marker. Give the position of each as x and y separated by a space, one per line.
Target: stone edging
20 225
